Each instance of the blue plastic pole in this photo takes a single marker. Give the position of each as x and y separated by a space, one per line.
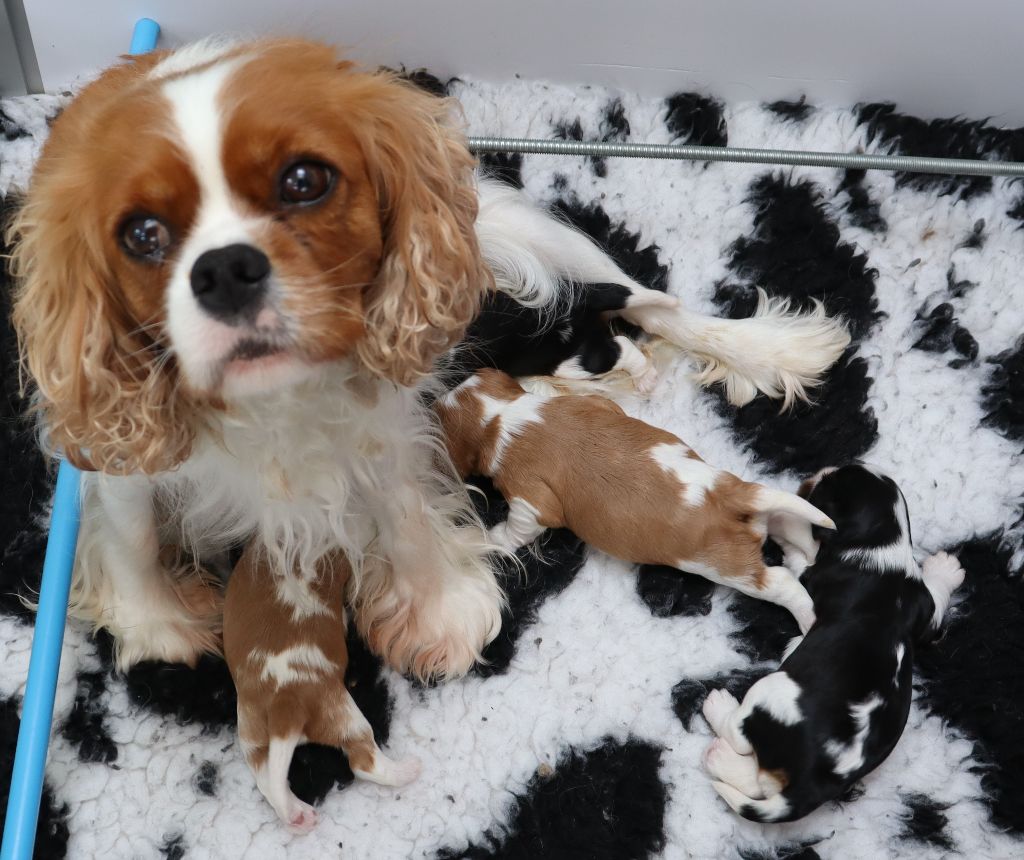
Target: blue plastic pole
144 36
37 711
48 638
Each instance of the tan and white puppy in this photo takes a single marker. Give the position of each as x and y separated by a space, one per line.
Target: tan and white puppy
629 489
284 640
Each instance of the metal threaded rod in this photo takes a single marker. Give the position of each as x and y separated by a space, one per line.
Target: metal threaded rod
686 152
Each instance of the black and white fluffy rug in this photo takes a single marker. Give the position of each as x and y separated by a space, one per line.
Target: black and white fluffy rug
583 738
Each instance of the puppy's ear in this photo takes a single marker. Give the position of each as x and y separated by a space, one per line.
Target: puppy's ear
432 277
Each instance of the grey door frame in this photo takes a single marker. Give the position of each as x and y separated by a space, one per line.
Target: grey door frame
19 71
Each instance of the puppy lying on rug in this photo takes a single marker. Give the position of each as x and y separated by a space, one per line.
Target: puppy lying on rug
284 640
625 487
838 704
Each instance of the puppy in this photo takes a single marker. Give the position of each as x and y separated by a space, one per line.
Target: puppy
631 490
575 342
284 640
838 704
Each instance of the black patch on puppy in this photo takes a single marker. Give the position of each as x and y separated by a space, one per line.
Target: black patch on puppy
173 847
1003 394
696 119
526 341
971 675
206 779
27 485
506 167
689 694
52 830
941 332
794 111
943 138
638 261
316 769
924 822
605 804
561 555
861 209
84 726
668 591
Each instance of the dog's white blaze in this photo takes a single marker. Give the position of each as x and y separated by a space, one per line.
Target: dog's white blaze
900 651
513 416
193 56
695 476
778 695
849 756
196 112
293 665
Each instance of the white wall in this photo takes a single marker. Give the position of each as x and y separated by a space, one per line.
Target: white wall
934 57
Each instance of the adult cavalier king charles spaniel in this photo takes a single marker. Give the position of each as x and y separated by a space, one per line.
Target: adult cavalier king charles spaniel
240 267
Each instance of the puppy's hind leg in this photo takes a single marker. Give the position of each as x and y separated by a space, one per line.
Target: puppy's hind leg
272 778
727 765
343 725
522 526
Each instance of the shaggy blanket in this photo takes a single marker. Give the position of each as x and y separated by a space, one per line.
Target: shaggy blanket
583 736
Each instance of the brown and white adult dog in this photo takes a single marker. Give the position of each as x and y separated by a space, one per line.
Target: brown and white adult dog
289 672
626 488
238 264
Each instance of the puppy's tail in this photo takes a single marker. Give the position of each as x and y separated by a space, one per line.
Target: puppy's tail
778 351
540 261
772 501
774 808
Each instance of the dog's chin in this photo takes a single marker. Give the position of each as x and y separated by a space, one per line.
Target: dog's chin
249 373
246 377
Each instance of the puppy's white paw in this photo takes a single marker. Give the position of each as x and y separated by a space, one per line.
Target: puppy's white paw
717 707
944 567
301 817
715 756
646 382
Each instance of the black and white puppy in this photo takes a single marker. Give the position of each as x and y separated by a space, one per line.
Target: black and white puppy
576 342
839 702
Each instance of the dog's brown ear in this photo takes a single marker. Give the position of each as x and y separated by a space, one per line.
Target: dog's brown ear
432 277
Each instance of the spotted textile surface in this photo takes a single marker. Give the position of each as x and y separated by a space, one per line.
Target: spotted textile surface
583 736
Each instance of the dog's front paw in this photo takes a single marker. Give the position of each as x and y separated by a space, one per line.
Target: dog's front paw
434 628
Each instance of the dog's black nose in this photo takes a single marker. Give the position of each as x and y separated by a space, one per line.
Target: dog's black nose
228 282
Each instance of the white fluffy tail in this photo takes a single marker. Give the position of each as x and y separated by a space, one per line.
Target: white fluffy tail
777 351
770 500
537 259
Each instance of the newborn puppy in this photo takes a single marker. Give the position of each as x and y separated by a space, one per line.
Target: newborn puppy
838 704
284 640
577 344
629 489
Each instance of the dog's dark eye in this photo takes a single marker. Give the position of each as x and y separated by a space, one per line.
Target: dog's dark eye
145 236
306 182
